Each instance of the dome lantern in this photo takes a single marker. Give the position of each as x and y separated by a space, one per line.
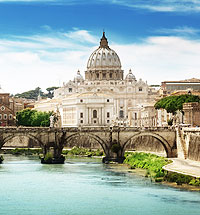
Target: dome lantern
104 42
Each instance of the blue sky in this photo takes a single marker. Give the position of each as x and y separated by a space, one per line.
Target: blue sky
44 42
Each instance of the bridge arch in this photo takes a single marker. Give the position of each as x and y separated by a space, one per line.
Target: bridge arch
99 140
161 139
30 136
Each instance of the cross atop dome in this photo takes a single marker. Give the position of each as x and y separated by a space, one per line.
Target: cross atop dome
104 41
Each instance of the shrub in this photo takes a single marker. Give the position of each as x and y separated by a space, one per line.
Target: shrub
83 152
195 182
25 151
115 148
1 158
48 157
178 178
152 163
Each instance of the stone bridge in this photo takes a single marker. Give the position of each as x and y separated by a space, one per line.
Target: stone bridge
107 137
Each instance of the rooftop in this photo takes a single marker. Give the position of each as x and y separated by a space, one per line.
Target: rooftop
192 80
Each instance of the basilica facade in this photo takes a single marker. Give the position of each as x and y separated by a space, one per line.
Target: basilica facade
104 97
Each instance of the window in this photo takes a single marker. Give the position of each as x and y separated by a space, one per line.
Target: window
95 121
97 75
70 90
10 117
2 108
108 100
108 114
104 75
81 115
121 114
94 113
110 75
5 116
108 121
81 100
140 89
135 115
81 121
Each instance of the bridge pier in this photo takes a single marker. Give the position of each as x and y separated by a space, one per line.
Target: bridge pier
52 152
114 152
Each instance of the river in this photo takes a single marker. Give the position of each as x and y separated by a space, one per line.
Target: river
86 187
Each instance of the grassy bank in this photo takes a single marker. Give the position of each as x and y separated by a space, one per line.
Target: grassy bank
75 151
153 165
23 151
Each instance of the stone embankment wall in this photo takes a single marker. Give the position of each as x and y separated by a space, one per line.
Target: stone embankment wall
147 144
188 143
194 148
21 142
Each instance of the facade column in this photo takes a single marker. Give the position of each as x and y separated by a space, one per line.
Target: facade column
107 75
100 75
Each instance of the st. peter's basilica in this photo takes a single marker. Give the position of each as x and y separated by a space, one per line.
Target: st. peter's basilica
104 97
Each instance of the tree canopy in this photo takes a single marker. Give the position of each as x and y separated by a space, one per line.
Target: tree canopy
174 103
51 91
33 94
34 118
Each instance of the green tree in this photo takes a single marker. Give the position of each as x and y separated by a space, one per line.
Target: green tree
174 103
24 117
33 118
51 91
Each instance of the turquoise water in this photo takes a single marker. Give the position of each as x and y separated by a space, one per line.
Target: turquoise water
86 187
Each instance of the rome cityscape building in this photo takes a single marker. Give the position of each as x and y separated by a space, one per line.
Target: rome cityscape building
104 97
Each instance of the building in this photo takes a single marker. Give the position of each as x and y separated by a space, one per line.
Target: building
104 97
6 109
192 113
168 87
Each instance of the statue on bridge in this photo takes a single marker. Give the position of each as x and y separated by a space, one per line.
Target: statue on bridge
55 119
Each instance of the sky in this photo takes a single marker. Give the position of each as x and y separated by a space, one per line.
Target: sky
44 42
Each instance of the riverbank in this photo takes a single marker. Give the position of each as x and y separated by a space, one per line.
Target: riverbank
154 164
75 151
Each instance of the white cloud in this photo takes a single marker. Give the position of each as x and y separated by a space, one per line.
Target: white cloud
46 60
81 36
162 58
183 30
151 5
162 6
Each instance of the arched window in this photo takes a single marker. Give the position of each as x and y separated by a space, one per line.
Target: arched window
121 114
94 113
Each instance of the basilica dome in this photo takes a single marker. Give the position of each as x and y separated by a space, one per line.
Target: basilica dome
104 61
103 57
